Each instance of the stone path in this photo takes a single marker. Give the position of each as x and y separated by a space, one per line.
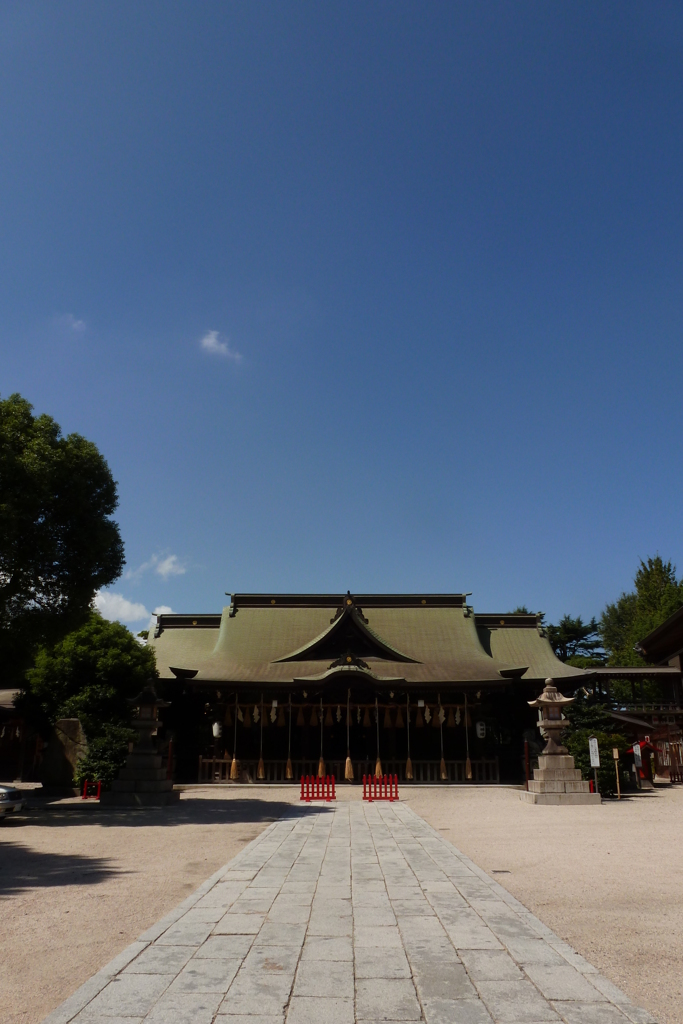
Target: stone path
354 913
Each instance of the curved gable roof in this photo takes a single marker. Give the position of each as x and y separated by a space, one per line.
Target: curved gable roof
426 640
522 640
348 633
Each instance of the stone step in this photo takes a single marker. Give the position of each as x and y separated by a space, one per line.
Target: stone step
115 799
558 787
557 775
560 798
148 774
141 786
577 787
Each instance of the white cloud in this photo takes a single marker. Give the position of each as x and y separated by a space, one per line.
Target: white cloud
116 607
169 566
162 564
161 609
70 323
211 344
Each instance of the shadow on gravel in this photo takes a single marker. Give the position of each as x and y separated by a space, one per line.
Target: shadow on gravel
189 811
22 869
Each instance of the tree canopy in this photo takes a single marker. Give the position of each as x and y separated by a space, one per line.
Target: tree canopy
89 674
657 595
577 642
58 543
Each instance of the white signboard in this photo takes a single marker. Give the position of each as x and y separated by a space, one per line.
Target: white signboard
594 752
636 755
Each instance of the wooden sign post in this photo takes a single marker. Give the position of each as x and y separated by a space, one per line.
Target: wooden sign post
615 755
595 758
638 763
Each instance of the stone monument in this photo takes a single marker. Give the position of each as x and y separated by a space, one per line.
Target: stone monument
143 782
556 780
66 745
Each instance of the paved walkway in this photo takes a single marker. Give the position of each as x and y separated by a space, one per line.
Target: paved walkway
354 913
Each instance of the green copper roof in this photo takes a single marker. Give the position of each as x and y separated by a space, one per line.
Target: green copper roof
522 644
425 640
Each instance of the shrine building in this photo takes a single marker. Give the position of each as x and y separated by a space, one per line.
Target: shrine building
300 677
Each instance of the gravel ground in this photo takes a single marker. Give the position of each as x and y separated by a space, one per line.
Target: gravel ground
78 884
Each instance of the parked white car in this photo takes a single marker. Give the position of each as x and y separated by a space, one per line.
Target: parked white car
11 799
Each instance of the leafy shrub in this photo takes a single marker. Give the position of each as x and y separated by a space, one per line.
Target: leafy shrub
577 745
106 754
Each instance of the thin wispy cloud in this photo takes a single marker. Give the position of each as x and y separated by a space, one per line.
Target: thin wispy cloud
164 565
211 343
169 566
68 322
117 608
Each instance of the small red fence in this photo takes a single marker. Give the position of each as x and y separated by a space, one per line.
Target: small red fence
315 787
380 787
91 790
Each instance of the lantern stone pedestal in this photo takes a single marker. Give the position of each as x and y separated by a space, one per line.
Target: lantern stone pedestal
143 782
556 780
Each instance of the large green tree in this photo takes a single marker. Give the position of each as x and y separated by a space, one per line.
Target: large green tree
58 543
656 596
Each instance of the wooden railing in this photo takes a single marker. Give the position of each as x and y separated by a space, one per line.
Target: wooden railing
217 770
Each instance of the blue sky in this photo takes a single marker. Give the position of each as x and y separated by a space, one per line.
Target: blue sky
368 296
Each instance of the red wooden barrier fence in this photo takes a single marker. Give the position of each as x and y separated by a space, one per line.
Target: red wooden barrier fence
314 787
380 787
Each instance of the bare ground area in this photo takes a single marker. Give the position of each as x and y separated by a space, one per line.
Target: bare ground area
78 884
607 879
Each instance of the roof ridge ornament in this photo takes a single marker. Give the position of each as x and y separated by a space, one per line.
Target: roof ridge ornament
348 603
347 660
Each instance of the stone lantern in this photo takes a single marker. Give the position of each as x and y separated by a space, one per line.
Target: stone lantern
556 780
551 702
143 782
